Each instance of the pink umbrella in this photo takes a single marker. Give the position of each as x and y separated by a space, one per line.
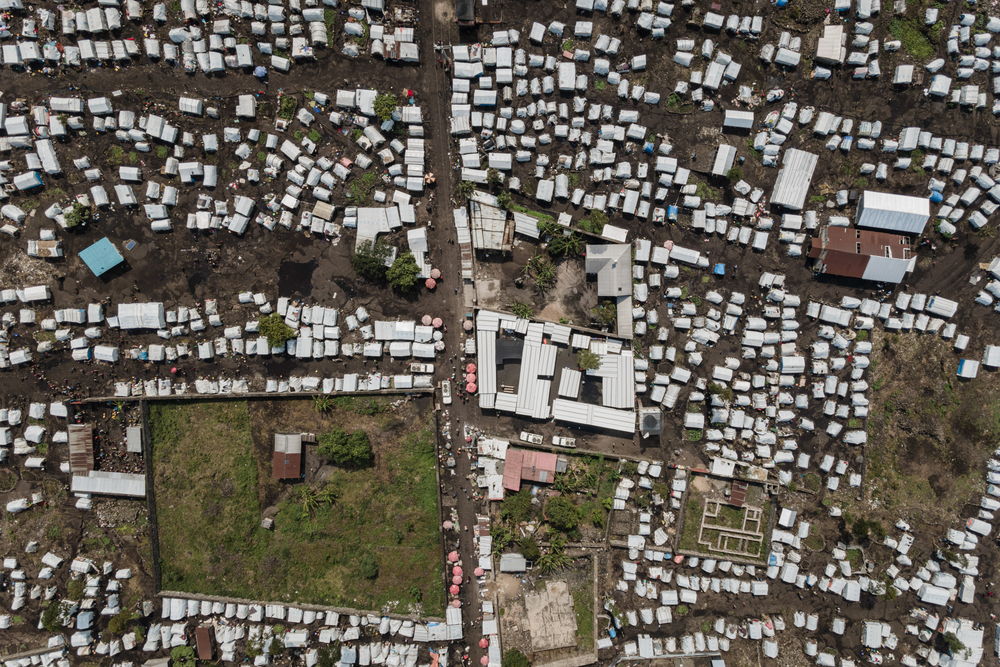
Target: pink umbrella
454 589
479 572
471 388
485 660
447 525
456 571
470 377
484 643
425 320
456 580
436 274
453 557
439 346
456 603
669 245
467 325
470 368
468 438
437 322
430 283
174 370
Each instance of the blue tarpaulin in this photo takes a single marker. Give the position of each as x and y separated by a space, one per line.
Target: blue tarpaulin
101 257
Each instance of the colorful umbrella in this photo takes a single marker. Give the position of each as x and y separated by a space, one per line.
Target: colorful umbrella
456 603
470 368
484 643
453 557
437 322
436 274
454 589
456 571
471 388
456 580
447 525
470 377
479 572
430 283
467 325
426 320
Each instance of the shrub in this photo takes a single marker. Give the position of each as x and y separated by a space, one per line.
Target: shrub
529 549
182 656
273 327
385 105
522 310
564 245
403 273
369 260
514 658
350 450
505 200
587 360
606 313
79 215
368 565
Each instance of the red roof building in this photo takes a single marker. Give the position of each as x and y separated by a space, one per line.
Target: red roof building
528 466
860 253
286 463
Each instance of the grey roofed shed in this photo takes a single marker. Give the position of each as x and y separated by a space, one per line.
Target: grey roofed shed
741 120
133 439
724 159
794 178
513 562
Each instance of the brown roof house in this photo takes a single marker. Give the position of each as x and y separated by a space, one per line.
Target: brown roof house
286 463
860 253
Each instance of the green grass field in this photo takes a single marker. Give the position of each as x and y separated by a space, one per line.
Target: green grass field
375 547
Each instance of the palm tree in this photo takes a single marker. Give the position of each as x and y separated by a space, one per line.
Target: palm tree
564 245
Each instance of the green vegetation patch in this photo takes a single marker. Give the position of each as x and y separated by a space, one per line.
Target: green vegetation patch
914 40
363 536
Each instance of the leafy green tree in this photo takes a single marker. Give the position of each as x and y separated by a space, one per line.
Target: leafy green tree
514 658
404 273
564 245
587 360
78 215
465 189
385 105
273 328
350 450
493 176
505 200
562 513
369 260
529 548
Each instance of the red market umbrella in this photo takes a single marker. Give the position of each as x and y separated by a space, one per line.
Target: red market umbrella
437 322
484 643
456 571
470 368
470 377
426 320
456 580
471 388
430 283
454 589
447 525
453 557
479 572
669 245
456 603
467 325
485 660
436 274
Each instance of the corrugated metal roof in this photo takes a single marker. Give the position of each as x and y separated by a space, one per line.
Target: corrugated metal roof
597 416
792 184
81 448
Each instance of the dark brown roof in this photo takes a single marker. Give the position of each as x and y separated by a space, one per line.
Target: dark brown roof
286 463
844 251
81 448
203 640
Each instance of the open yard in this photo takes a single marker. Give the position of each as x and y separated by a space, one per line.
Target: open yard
929 433
362 537
712 526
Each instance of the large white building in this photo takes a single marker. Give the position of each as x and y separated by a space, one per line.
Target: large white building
895 213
